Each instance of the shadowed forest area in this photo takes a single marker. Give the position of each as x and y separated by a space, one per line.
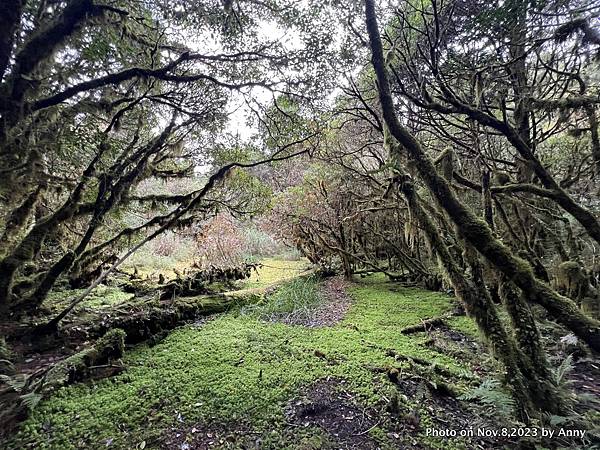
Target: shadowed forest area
299 224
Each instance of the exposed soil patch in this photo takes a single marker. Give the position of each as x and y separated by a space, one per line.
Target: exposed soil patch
465 344
29 357
336 304
203 437
443 413
584 379
40 361
327 405
450 342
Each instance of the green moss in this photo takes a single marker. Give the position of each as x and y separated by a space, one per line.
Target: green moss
238 371
274 271
101 297
464 324
381 437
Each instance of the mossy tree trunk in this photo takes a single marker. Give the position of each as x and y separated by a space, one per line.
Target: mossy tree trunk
75 368
478 305
28 247
534 364
108 197
475 231
530 388
17 221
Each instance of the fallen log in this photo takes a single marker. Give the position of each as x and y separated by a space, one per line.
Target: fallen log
134 323
77 367
141 324
199 281
425 325
19 394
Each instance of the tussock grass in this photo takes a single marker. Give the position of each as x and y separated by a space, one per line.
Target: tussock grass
294 302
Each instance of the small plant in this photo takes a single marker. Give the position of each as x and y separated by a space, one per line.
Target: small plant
291 254
5 352
31 399
491 395
16 383
6 365
294 302
560 373
258 243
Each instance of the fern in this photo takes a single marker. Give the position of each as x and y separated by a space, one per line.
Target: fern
31 399
560 373
16 383
556 421
5 352
589 400
486 385
5 379
490 394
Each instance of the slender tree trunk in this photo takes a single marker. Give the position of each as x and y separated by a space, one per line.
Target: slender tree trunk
531 389
26 249
10 16
18 220
535 365
488 211
593 121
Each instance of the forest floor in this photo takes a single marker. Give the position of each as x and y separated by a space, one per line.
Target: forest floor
315 365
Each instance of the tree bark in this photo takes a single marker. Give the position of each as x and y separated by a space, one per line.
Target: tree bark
475 231
478 305
10 16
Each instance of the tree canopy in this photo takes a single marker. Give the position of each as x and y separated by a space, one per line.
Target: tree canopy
447 144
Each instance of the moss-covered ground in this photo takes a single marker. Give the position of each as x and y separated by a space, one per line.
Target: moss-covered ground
101 297
237 372
275 270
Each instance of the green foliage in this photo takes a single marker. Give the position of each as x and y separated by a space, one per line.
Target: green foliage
237 372
249 192
295 302
561 372
490 394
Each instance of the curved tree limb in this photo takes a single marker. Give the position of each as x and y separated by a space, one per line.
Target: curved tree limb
475 231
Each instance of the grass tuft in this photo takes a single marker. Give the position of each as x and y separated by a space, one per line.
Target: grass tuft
294 302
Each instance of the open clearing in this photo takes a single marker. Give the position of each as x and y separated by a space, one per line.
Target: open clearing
237 380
